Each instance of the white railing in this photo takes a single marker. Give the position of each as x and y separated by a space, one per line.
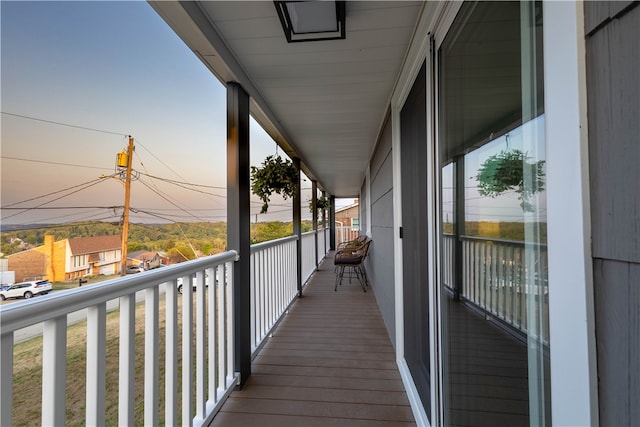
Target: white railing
192 399
345 233
320 245
308 255
505 278
327 240
273 285
273 280
207 306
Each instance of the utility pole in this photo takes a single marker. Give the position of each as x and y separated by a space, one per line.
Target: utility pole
125 215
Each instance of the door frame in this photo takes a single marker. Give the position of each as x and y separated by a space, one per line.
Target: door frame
574 387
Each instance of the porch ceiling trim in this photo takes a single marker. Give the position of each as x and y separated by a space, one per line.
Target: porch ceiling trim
322 102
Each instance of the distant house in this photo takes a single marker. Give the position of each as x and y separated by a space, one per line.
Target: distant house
349 216
147 259
68 259
93 256
348 222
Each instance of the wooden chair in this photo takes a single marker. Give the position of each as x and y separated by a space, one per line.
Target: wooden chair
352 258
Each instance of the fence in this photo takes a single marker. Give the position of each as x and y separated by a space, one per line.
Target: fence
345 233
507 279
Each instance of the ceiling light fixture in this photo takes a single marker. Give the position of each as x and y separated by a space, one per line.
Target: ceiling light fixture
305 21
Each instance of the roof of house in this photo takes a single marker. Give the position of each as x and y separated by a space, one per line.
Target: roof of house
142 255
345 208
88 245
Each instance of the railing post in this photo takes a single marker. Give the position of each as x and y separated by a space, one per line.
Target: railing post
297 226
6 378
314 216
332 223
54 371
459 228
239 221
324 224
96 365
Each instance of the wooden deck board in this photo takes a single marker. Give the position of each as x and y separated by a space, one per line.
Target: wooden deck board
329 362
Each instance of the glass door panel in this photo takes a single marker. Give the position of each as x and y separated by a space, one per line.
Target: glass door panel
491 145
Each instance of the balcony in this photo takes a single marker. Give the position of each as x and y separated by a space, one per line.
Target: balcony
330 358
323 358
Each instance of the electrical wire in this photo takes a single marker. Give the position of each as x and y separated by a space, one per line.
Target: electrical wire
55 192
65 207
90 184
53 163
158 159
75 214
168 200
181 182
63 124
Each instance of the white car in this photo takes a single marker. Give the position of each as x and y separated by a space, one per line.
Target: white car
193 282
25 289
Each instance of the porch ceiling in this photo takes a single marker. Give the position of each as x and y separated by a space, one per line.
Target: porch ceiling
323 100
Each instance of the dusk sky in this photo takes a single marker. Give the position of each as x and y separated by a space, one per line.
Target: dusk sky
115 68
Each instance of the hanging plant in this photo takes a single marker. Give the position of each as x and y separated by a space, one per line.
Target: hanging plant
274 176
506 171
322 203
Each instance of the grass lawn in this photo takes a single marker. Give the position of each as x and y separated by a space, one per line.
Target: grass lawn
27 394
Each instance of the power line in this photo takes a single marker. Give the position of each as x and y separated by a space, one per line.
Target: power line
179 184
158 159
168 200
51 194
64 207
185 183
86 185
53 163
63 124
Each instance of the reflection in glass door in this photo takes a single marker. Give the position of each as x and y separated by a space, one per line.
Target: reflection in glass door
493 262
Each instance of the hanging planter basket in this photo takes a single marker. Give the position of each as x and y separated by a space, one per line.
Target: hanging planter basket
322 203
276 175
511 170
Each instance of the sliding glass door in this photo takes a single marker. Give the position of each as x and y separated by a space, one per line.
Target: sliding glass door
493 264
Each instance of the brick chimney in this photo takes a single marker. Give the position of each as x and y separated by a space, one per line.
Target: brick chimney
48 256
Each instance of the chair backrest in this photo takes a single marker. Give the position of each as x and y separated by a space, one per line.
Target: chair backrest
365 248
353 243
353 255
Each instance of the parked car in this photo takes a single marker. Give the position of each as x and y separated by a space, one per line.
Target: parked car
132 269
193 282
25 289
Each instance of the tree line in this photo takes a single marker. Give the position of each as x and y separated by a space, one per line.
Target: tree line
187 240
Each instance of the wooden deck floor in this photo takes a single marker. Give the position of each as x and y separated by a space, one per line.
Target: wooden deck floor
330 362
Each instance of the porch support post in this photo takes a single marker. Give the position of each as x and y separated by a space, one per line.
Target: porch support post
324 225
314 216
297 226
332 223
459 226
239 222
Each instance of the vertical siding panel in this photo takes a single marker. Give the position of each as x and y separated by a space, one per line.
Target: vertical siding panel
634 342
613 89
595 13
614 126
612 320
615 7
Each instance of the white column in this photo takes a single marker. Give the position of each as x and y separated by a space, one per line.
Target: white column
574 387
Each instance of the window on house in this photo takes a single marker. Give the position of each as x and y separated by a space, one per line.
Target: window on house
355 224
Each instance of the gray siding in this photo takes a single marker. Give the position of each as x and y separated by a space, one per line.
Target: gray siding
380 265
613 88
613 55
